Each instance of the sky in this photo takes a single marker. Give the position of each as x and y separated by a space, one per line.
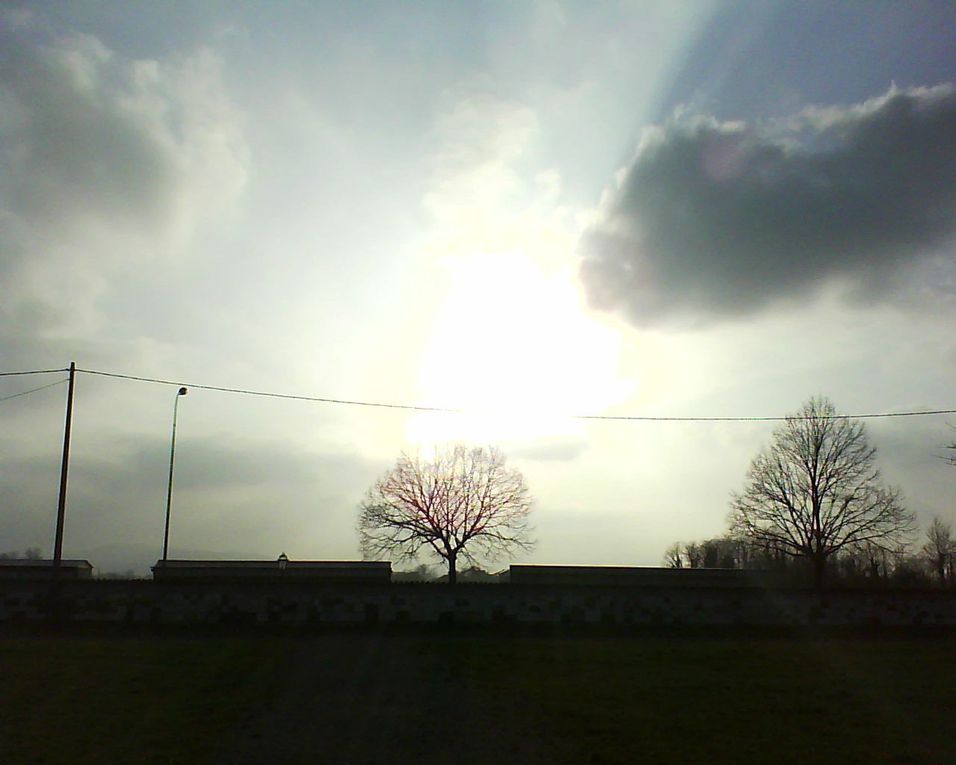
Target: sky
526 211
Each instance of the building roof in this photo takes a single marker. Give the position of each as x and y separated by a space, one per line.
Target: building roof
44 563
645 576
271 564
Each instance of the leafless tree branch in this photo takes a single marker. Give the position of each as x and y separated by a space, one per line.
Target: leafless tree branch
465 503
816 490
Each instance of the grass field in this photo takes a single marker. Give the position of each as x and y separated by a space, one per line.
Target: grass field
126 700
370 699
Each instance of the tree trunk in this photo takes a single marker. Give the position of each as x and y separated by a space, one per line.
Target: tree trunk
941 569
452 568
819 563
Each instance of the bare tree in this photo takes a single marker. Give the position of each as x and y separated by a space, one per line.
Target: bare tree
695 554
719 552
464 503
939 550
815 491
674 556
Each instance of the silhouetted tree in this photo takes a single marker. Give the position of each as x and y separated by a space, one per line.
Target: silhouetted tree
939 550
464 503
674 556
815 491
909 571
694 552
720 552
868 561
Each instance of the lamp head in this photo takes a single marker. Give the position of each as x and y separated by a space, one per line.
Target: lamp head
182 392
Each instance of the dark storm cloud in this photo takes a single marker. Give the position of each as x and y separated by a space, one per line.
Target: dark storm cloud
720 219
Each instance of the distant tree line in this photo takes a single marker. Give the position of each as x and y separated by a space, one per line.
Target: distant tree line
814 508
905 566
424 573
31 553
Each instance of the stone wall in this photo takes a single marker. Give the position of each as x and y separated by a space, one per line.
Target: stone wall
211 604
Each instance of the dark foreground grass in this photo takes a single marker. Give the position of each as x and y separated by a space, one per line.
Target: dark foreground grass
554 700
731 701
118 700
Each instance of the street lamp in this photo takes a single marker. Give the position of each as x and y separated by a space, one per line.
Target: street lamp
172 456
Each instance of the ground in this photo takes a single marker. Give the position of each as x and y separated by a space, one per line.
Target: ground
459 699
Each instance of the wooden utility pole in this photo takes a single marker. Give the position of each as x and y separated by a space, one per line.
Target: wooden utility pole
64 470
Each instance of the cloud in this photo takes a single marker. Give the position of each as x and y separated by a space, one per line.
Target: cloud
481 141
552 449
250 495
719 219
104 160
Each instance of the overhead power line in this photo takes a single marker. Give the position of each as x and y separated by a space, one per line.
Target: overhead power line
33 372
776 418
445 410
33 390
269 394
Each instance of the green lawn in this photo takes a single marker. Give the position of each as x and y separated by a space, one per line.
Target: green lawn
388 699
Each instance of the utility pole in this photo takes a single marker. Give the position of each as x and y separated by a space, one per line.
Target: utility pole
64 470
172 457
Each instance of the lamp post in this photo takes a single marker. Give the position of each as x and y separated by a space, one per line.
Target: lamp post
172 457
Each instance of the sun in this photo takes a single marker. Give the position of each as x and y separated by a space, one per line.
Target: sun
514 348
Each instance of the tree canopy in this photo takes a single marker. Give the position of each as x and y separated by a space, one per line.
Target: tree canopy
939 550
815 490
465 503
